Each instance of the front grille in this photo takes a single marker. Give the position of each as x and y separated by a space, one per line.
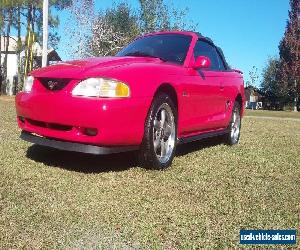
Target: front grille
53 126
54 84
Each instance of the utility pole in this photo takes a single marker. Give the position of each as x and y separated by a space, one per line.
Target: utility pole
45 33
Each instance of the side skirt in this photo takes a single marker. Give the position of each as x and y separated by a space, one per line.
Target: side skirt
202 136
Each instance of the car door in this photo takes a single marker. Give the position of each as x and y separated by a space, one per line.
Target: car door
208 100
228 83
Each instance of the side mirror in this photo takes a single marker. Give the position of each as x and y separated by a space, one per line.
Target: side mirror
202 62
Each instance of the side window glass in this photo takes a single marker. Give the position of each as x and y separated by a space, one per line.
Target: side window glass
221 62
205 49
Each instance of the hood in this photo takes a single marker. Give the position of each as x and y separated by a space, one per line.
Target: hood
78 68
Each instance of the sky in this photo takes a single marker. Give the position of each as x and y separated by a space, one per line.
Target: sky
248 31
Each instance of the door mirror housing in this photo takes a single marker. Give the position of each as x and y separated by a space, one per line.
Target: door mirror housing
202 62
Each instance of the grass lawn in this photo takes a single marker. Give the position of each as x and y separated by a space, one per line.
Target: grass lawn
54 199
270 113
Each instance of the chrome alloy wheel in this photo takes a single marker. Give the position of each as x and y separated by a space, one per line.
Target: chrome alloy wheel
164 133
235 125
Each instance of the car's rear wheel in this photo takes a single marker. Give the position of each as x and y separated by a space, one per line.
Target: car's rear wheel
159 142
234 127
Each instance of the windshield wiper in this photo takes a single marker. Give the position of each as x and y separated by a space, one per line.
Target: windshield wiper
143 54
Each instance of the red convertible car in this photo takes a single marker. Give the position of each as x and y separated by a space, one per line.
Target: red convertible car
162 89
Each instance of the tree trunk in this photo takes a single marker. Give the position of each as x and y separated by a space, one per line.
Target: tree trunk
296 97
33 18
29 16
1 33
0 50
1 61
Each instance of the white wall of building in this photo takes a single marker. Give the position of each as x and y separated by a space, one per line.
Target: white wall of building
12 70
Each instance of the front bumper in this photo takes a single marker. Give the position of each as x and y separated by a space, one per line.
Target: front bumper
118 122
73 146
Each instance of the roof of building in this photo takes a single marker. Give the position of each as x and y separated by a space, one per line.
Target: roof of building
37 48
12 43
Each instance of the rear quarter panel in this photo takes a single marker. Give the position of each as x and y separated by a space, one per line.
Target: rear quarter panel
234 86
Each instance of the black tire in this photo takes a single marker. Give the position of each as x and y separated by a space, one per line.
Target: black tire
234 126
147 154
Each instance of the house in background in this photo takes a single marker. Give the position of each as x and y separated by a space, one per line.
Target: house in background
254 98
12 61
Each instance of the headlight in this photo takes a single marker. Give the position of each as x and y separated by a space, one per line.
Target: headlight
101 87
28 83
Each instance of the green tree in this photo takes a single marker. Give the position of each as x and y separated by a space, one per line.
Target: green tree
155 15
117 26
113 29
79 28
271 85
289 48
34 14
26 16
7 17
253 74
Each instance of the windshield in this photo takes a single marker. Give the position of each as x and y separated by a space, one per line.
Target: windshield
167 47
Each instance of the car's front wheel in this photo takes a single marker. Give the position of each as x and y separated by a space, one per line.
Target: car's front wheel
159 143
